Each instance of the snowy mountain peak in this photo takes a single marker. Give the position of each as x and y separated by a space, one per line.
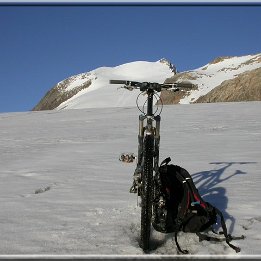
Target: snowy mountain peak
167 62
92 89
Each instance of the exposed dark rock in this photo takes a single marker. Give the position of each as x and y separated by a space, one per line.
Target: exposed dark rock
58 95
245 87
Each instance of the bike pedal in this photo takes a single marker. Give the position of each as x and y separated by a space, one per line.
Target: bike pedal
133 190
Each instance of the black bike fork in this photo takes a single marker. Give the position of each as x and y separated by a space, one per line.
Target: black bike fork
141 138
157 143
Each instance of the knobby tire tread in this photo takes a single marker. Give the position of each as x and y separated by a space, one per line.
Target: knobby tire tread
147 192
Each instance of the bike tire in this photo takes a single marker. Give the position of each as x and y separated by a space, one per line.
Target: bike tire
147 193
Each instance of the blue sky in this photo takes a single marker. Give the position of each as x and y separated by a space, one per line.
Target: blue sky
42 45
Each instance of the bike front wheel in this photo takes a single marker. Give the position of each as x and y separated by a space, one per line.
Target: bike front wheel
147 192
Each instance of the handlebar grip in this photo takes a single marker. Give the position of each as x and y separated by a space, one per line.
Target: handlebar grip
185 85
117 82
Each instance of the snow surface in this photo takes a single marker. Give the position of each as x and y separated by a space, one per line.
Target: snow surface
63 190
103 94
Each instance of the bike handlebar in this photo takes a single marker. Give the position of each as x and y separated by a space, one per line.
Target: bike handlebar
117 82
143 86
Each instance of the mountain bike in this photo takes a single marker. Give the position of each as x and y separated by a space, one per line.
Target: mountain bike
146 180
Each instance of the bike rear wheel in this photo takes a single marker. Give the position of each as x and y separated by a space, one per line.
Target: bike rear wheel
147 192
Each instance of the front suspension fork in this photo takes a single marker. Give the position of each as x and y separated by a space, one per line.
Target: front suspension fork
140 139
157 143
156 132
157 180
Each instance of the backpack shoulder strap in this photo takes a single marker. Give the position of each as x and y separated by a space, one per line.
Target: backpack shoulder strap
224 227
195 196
165 161
184 204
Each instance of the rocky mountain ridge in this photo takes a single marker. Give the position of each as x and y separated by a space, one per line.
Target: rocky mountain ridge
222 80
228 78
245 87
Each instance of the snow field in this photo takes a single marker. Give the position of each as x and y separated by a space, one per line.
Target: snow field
63 190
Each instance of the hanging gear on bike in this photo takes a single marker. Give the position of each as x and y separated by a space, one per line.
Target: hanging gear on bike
179 207
127 157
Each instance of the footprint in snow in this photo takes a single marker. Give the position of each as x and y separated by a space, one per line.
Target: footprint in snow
38 191
250 222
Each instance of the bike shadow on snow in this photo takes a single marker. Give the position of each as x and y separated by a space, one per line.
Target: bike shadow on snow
209 186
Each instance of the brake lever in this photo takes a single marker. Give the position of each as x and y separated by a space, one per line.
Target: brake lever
175 89
129 88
